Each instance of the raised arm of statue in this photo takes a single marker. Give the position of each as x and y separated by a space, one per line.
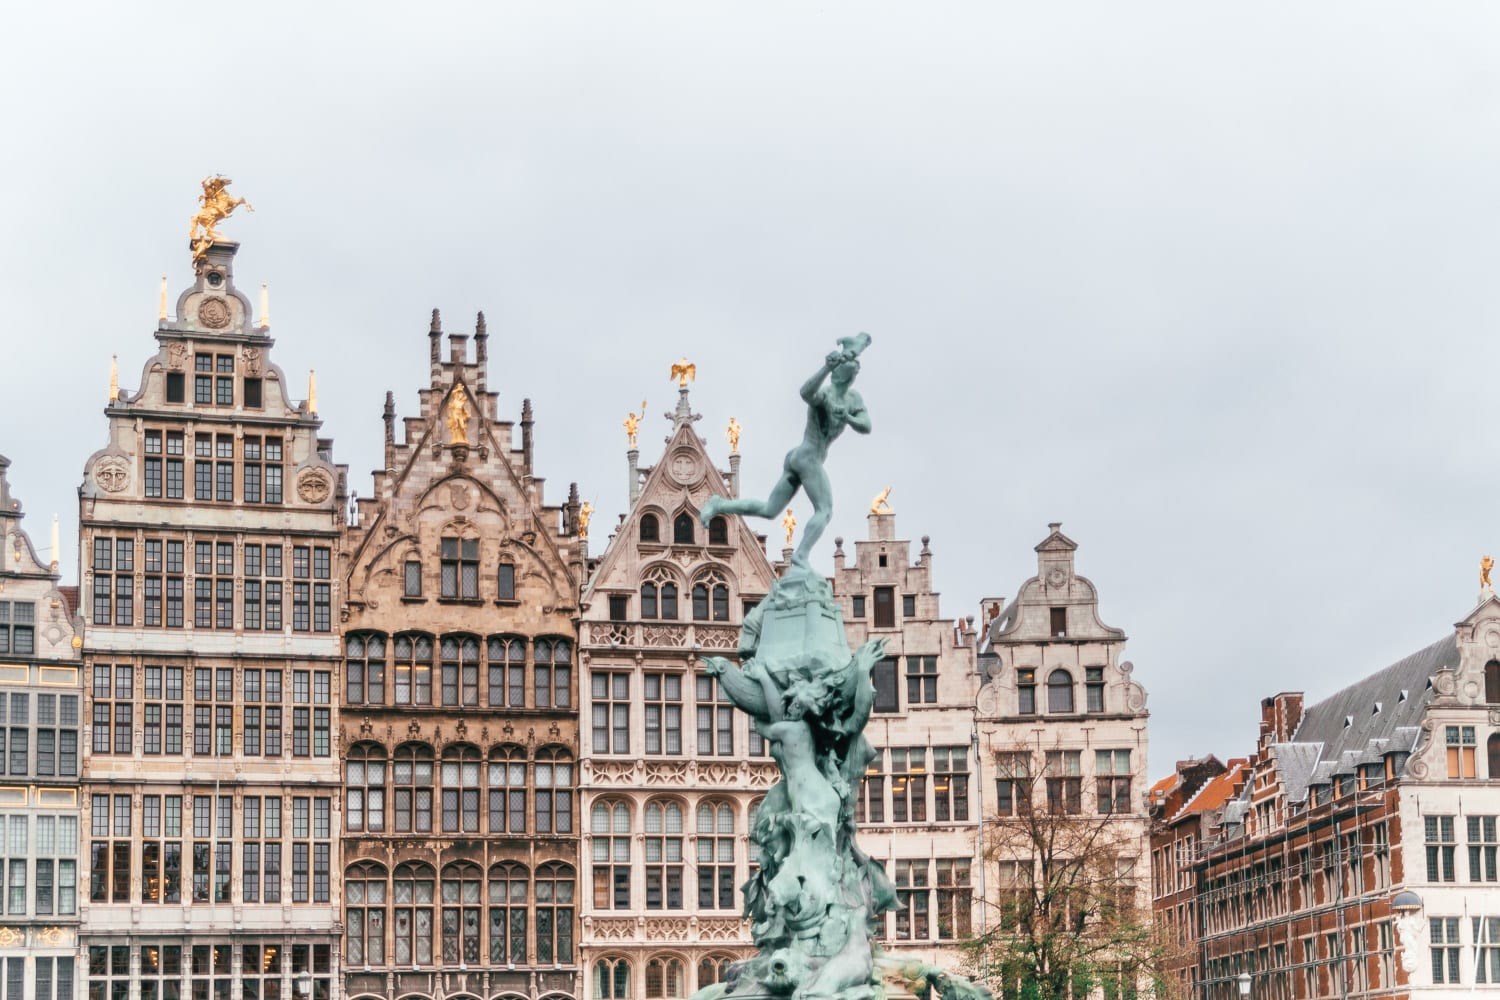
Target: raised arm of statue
810 388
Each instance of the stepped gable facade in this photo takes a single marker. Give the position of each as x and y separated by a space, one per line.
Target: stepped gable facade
918 805
459 705
40 698
210 526
671 772
1358 858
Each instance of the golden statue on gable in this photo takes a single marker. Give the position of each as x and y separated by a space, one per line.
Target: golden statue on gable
458 416
216 205
732 432
633 423
882 502
1485 565
683 371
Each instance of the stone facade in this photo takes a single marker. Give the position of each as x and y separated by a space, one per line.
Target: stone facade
210 526
671 772
918 806
1061 721
40 696
1357 857
459 705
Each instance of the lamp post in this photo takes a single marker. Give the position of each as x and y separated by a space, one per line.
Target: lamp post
1244 984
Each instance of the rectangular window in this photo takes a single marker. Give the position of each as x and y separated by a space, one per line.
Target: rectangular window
909 785
870 806
887 695
1482 849
1461 751
715 719
921 680
950 783
1013 783
908 605
1112 776
253 393
611 711
460 568
1441 848
885 607
1486 949
413 578
1026 691
1094 688
913 899
858 606
663 710
1065 782
954 899
1445 949
1059 622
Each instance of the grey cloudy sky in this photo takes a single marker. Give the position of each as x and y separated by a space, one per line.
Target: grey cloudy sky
1211 284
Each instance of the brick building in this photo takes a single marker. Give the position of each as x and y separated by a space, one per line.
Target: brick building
1357 858
459 705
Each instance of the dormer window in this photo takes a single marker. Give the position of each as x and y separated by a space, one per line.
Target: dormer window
1059 622
682 529
650 528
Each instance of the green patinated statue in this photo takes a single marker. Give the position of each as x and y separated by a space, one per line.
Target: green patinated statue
815 900
830 408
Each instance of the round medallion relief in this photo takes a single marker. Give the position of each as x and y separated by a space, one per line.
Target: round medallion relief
213 313
1057 577
112 473
314 487
685 468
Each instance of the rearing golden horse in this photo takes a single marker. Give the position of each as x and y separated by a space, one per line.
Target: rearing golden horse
217 204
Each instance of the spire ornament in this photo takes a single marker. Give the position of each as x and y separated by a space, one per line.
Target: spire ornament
1485 565
684 371
161 305
732 432
584 513
216 205
312 391
265 305
633 424
114 378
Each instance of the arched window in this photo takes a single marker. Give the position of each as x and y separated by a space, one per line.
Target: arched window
609 822
413 669
663 855
461 916
411 891
715 856
718 531
711 594
1492 682
554 912
1060 692
460 669
650 528
682 529
1492 748
364 914
364 668
461 789
554 790
508 789
411 788
664 979
507 673
712 969
659 594
508 909
364 787
554 673
611 979
505 581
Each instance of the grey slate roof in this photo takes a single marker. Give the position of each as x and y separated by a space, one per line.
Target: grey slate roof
1343 730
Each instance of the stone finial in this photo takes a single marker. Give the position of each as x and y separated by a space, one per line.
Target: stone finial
1055 527
481 345
526 421
114 378
389 416
437 322
161 306
312 392
435 336
265 305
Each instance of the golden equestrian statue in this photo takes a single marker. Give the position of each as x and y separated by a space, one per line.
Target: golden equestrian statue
881 504
684 371
732 432
633 423
1485 565
216 205
789 522
458 416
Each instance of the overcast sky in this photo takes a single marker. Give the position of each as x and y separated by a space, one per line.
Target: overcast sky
1214 285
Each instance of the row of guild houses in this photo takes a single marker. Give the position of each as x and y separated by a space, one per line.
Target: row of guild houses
1353 852
282 743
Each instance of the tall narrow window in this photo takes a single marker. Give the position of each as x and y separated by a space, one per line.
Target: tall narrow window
1441 848
509 907
611 711
650 528
505 582
1059 692
1059 622
507 785
411 788
554 791
1112 774
887 695
609 824
412 576
555 883
664 861
460 568
715 856
682 529
461 913
718 531
460 669
553 674
663 710
507 670
412 887
921 680
461 789
1093 682
885 607
1461 751
413 669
